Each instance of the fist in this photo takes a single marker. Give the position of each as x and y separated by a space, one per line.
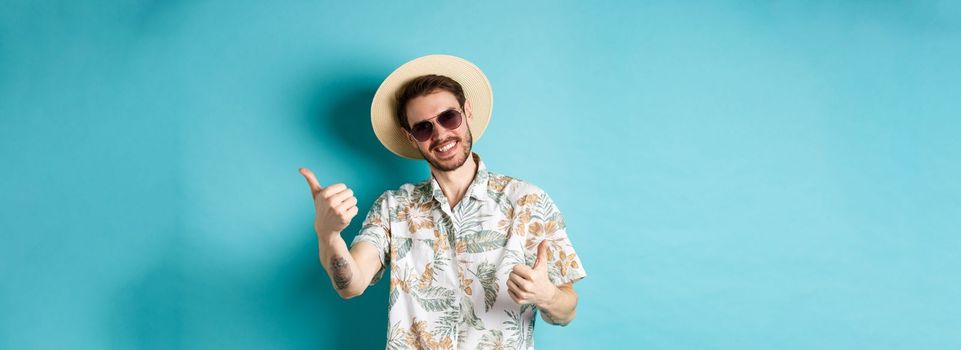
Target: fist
531 285
334 205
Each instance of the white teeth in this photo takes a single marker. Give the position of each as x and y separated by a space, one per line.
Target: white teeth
446 148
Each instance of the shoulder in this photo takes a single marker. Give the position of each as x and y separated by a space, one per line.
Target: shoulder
515 189
406 192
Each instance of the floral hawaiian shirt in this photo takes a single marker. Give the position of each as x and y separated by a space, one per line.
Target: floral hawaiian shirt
450 266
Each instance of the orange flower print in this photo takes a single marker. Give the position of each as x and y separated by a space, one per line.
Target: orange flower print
399 283
504 225
497 183
427 277
527 199
418 216
520 222
419 337
565 262
440 242
448 253
539 231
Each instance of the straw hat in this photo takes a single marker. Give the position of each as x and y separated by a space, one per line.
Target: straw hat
477 90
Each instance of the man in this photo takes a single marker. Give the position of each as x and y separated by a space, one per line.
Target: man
474 254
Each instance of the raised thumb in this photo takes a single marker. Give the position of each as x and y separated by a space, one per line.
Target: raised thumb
541 260
311 180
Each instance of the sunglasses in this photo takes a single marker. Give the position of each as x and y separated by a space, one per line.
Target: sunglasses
449 119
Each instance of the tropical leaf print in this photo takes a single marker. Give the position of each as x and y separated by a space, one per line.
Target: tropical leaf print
470 317
515 326
470 218
445 227
440 255
493 340
487 275
446 325
434 298
404 247
514 257
483 241
392 298
397 337
529 336
438 194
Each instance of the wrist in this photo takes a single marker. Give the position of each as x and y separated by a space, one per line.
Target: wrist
551 299
329 237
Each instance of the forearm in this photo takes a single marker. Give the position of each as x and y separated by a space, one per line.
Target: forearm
340 265
561 308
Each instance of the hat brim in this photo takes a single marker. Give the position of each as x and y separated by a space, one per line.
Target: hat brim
477 90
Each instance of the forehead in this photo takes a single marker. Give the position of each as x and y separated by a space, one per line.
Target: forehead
430 105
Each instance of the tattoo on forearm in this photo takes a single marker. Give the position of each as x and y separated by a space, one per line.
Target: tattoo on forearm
340 270
549 317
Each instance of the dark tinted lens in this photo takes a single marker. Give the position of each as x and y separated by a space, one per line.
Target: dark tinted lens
450 119
422 131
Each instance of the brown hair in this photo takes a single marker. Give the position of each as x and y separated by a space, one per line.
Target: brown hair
422 86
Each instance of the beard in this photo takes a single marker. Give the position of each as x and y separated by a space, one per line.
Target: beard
457 161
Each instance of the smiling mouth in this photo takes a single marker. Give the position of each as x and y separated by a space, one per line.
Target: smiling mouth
446 148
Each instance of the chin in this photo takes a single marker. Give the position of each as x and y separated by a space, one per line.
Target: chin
450 164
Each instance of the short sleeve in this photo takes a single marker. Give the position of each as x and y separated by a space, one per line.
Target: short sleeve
547 223
376 231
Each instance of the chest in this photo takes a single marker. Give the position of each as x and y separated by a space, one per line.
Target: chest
436 245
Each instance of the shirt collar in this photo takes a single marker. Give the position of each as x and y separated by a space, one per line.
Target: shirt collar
477 189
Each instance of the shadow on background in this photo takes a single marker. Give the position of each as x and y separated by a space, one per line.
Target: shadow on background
296 307
361 322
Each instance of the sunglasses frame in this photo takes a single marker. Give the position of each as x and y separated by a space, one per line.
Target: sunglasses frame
434 123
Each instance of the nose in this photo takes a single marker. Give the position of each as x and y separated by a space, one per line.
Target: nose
441 134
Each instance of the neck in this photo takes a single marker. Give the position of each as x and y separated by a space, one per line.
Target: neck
455 183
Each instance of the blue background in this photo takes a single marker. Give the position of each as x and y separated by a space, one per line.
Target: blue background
734 175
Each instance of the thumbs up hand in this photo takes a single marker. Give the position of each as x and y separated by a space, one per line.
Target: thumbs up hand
335 205
531 285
